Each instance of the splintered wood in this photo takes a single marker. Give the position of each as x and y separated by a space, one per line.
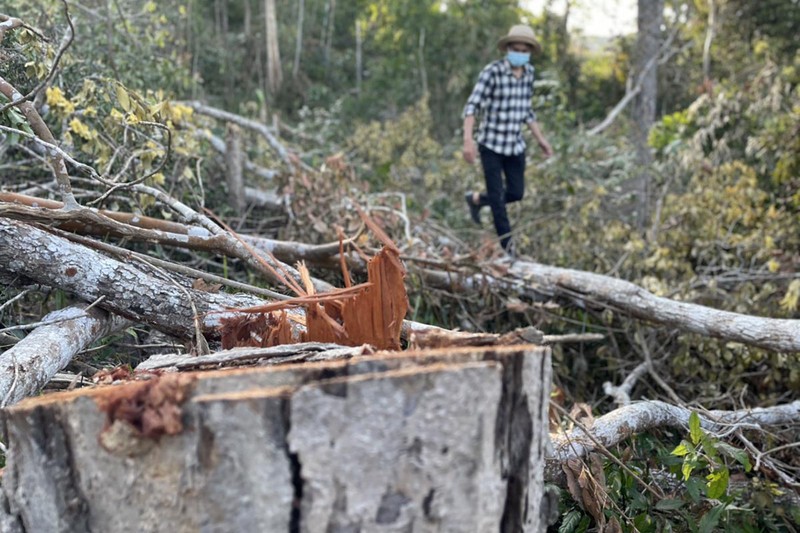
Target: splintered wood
374 316
371 313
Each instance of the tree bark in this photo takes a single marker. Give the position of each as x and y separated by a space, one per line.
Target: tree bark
639 417
444 440
33 361
234 160
648 42
531 280
126 290
274 66
246 123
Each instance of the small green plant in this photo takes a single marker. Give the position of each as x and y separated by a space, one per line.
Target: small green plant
706 453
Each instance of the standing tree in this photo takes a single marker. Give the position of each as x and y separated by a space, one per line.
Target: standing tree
274 67
648 43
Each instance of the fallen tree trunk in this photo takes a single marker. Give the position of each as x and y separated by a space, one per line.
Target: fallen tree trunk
126 290
441 440
33 361
532 280
776 334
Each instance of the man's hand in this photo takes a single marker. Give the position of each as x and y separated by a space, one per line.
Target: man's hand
470 151
547 150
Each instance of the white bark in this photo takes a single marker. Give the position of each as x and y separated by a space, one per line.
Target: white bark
639 417
274 66
234 161
306 351
127 290
219 145
531 280
33 361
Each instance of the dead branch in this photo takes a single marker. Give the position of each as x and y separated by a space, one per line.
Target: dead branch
33 361
54 157
663 55
219 145
531 280
638 417
209 237
128 291
246 123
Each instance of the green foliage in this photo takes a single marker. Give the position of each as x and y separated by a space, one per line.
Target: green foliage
701 500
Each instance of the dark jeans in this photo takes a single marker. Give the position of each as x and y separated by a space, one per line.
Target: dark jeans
497 195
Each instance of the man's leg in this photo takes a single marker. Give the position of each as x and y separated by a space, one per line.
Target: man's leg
514 169
495 196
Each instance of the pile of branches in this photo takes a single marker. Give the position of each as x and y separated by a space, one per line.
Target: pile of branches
112 265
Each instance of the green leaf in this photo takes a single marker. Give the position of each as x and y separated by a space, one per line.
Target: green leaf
711 519
737 454
669 504
718 483
694 487
695 431
570 522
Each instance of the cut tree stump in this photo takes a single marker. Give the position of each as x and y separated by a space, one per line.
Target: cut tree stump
443 440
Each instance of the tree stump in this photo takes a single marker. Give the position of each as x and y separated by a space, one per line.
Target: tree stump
444 440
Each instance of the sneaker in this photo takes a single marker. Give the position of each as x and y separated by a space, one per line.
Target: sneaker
474 210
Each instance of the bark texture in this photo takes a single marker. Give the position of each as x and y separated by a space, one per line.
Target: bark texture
430 441
128 291
33 361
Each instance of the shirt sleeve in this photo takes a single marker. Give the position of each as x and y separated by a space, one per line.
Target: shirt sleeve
531 118
480 93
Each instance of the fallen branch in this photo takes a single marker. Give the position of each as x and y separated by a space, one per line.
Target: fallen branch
781 335
35 360
532 280
247 123
128 291
42 132
635 418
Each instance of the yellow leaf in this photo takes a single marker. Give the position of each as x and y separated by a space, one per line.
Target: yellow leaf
773 265
123 98
792 297
157 179
82 130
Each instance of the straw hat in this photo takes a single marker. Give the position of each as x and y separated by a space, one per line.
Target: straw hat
520 34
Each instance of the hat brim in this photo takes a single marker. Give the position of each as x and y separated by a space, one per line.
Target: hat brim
508 39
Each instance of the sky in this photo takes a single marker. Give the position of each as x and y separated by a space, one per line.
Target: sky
602 18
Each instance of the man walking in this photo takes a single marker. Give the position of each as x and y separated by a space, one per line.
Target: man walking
503 94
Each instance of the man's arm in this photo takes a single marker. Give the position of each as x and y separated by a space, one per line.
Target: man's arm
476 100
470 150
547 150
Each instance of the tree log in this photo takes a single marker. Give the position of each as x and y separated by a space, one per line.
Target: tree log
126 290
532 280
33 361
430 441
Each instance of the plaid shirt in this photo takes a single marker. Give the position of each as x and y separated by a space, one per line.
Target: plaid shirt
506 104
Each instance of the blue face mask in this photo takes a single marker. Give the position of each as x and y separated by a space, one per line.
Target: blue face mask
518 59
